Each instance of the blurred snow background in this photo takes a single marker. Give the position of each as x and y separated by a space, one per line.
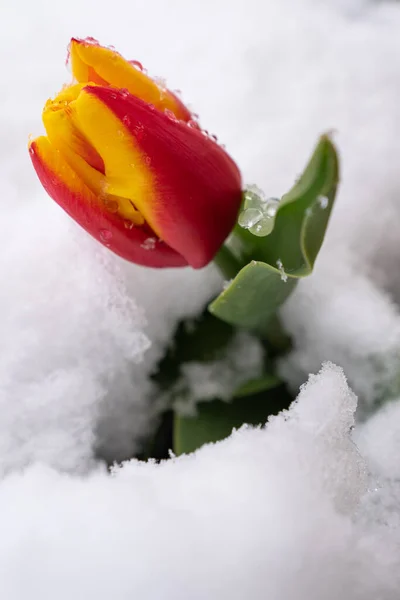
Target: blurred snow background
292 511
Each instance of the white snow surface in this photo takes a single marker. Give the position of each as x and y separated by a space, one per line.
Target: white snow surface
282 512
292 511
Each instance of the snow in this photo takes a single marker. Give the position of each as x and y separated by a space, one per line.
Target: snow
292 511
74 381
342 314
268 513
241 361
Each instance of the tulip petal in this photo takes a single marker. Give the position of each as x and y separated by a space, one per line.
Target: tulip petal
126 172
93 63
196 186
136 244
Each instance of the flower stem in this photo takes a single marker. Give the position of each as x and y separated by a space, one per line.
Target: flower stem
227 262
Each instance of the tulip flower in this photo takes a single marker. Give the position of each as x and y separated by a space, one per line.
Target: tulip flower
125 159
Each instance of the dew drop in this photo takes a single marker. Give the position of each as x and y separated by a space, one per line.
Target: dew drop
323 202
92 41
161 82
138 65
252 200
128 225
194 124
111 205
249 217
113 96
149 244
271 206
147 160
105 236
126 120
263 227
124 92
139 131
259 210
171 115
279 264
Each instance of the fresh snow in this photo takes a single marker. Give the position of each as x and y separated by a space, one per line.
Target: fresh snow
285 512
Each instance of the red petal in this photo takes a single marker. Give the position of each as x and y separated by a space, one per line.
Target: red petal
136 244
198 185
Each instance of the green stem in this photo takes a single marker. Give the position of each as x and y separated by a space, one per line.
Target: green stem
227 262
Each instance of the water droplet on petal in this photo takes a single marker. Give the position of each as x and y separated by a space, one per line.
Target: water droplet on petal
111 205
139 131
138 65
126 120
161 82
194 124
149 244
170 115
147 160
128 225
105 236
124 92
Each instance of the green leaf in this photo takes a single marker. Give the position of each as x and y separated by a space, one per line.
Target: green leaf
216 419
253 297
277 261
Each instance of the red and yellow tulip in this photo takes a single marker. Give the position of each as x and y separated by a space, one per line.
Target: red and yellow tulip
123 157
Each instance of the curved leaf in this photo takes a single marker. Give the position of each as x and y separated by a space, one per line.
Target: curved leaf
277 261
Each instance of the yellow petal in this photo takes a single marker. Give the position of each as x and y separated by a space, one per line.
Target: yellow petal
66 135
126 174
91 62
57 172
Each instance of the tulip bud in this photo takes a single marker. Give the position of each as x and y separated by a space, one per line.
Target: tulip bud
122 158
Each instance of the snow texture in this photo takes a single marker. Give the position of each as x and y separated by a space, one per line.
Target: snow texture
75 367
276 513
242 360
291 511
